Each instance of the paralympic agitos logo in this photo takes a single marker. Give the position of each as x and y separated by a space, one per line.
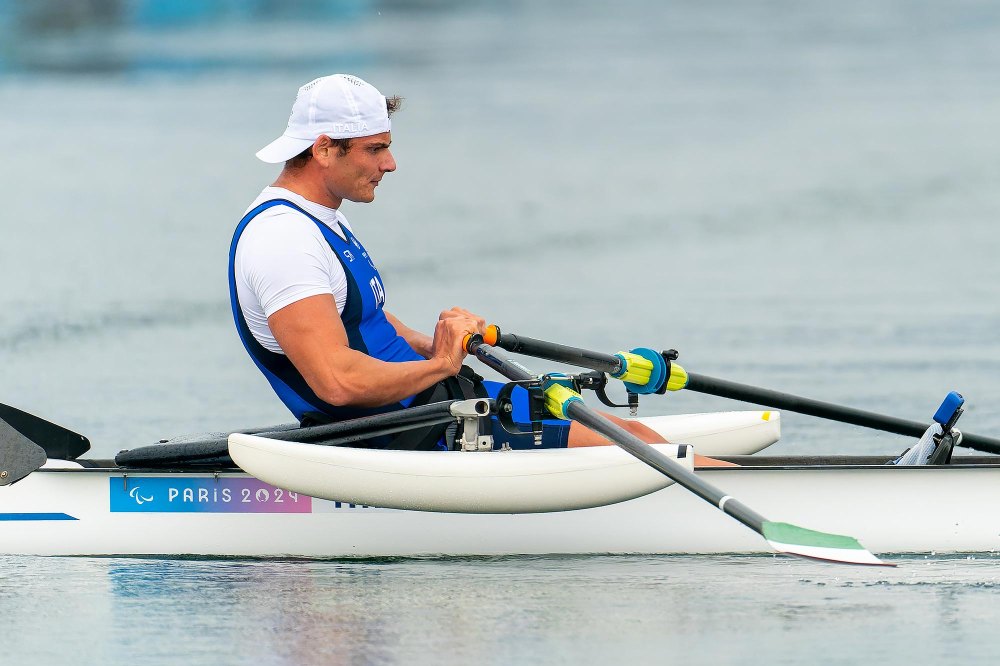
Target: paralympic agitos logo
139 499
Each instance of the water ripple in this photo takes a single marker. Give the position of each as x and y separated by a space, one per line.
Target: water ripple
52 328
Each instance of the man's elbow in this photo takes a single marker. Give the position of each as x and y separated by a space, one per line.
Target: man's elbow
343 394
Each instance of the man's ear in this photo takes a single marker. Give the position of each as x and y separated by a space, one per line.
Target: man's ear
323 149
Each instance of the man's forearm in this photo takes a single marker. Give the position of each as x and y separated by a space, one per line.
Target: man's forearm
368 382
421 343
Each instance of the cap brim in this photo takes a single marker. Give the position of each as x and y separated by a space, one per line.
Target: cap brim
282 149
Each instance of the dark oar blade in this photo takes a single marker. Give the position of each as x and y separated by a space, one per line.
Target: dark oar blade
58 442
19 456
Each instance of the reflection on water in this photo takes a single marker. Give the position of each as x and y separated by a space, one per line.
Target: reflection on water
572 610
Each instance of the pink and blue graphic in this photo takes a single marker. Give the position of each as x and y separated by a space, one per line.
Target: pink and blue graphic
159 494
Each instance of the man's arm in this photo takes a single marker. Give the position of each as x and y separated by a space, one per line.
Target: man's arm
312 335
421 342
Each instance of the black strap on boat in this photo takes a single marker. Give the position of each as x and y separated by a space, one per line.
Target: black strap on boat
463 386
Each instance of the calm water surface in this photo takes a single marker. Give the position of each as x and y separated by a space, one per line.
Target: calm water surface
803 197
734 610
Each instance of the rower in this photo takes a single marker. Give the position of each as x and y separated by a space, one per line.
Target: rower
309 302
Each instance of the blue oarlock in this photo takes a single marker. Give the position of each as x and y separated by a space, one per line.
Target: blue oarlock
657 377
951 404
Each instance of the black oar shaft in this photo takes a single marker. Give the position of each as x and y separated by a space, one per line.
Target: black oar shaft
727 389
507 367
579 411
793 403
215 447
423 415
552 351
364 426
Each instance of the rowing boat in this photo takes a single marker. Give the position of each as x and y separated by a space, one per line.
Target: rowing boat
299 494
98 507
193 507
94 508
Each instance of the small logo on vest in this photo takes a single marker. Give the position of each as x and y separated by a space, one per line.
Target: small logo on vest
378 291
356 243
349 255
370 262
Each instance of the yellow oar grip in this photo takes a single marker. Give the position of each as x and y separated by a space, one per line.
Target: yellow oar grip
558 397
637 369
678 377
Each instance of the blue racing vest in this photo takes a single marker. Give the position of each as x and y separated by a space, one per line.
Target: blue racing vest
368 330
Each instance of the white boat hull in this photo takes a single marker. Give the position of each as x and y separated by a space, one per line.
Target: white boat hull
524 481
891 510
451 482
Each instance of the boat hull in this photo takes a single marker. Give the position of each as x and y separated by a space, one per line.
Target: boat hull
117 512
533 481
523 481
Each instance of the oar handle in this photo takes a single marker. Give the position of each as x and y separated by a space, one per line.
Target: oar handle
826 410
642 370
509 368
552 351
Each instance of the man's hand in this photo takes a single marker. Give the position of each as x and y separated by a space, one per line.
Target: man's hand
449 335
463 313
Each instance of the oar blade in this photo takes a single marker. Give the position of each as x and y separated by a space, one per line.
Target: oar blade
58 442
794 540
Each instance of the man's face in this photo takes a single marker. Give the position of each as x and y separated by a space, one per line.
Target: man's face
355 176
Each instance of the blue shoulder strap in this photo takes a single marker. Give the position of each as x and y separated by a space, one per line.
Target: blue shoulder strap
284 378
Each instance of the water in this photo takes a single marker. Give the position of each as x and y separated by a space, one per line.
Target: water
500 611
799 196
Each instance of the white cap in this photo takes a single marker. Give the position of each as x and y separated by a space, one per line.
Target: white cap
341 106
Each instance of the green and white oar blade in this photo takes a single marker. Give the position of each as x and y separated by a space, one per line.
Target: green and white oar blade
794 540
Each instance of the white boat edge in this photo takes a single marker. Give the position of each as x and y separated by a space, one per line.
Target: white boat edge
720 433
453 482
520 481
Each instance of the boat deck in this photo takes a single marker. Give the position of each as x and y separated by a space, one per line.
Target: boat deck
803 462
745 461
